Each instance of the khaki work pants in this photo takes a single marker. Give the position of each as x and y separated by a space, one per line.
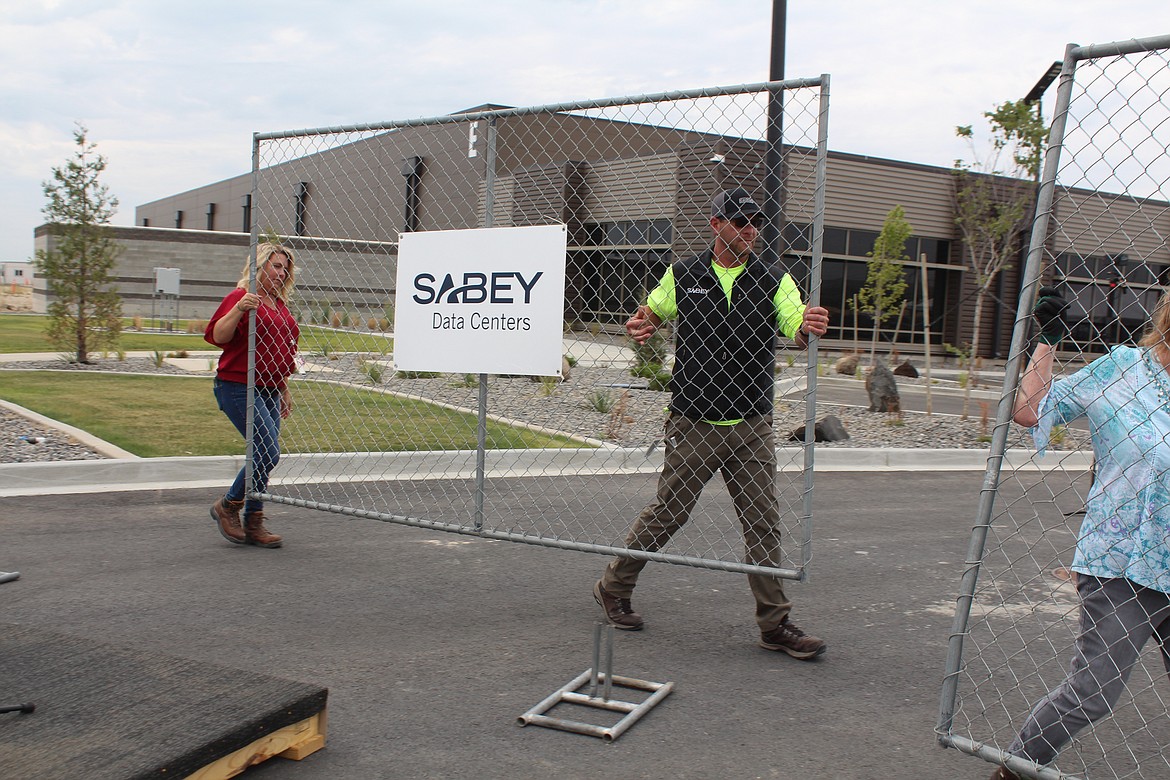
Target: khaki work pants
745 454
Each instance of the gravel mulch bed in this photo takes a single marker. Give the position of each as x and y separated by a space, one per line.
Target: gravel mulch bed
635 419
24 441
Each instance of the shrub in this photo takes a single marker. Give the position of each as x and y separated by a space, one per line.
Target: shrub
1058 435
659 382
651 352
548 385
600 401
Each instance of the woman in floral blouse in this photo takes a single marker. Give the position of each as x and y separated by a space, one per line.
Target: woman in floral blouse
1122 559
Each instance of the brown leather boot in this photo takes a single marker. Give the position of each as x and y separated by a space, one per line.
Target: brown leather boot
226 515
257 534
618 611
787 638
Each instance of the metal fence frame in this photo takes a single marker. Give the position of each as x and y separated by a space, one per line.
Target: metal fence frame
978 545
482 455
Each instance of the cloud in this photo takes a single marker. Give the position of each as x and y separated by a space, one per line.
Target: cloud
172 92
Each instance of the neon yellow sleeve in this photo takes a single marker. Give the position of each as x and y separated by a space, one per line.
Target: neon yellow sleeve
662 300
789 307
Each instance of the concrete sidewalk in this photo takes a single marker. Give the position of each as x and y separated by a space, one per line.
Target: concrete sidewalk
118 475
432 645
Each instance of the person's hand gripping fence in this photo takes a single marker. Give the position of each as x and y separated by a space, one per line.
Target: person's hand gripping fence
1049 314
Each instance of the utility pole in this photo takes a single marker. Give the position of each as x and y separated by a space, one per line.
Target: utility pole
774 153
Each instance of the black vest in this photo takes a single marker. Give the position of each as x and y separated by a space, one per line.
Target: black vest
725 358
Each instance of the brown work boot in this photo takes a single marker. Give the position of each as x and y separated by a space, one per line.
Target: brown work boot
226 514
792 640
257 534
1003 773
618 611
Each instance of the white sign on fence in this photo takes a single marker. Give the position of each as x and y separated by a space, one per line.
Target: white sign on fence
487 301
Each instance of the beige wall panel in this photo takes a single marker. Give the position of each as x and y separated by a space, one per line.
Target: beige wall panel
860 193
643 188
1101 224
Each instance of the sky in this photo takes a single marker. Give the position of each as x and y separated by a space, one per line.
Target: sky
172 92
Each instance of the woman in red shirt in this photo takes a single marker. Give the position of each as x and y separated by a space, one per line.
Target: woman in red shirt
276 349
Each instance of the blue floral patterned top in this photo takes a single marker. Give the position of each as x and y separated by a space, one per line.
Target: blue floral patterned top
1127 515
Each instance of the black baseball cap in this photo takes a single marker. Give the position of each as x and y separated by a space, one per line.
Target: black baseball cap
736 202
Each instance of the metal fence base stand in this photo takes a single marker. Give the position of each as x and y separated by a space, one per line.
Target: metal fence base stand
570 694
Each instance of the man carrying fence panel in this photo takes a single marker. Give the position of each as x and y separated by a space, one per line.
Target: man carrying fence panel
729 304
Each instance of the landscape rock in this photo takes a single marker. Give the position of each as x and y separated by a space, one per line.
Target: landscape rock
906 369
882 389
828 428
847 365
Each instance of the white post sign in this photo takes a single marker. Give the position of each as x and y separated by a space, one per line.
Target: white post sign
487 301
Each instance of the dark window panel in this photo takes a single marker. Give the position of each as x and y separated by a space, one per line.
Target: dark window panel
661 231
861 242
615 233
835 241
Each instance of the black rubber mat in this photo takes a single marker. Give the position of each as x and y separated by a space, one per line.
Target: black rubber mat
106 711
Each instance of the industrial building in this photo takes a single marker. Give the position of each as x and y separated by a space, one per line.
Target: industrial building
633 196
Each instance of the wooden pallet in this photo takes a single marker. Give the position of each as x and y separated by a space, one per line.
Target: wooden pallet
293 742
108 712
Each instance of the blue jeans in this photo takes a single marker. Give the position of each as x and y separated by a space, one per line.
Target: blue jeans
232 398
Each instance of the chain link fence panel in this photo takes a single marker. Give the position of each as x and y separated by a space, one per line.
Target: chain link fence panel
517 457
1104 189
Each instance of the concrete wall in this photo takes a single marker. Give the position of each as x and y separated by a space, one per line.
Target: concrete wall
355 275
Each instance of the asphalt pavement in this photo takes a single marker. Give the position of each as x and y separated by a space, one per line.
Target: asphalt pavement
432 645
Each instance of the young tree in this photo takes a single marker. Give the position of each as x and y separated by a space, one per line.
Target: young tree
993 196
885 286
84 312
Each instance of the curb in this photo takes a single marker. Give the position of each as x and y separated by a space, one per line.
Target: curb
101 446
131 474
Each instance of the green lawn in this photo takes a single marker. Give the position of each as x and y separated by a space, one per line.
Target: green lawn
26 333
172 416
